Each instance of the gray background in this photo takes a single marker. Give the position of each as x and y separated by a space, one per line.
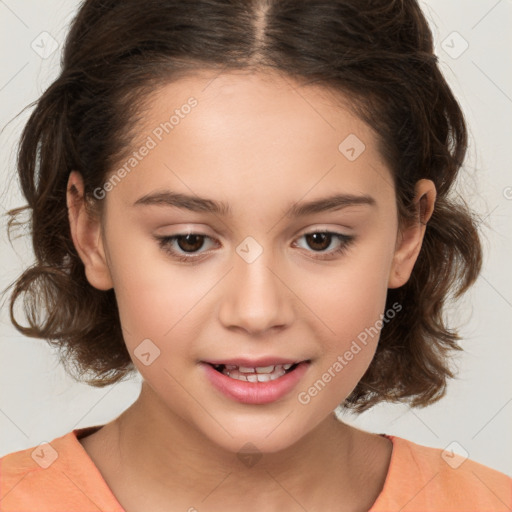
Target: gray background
40 402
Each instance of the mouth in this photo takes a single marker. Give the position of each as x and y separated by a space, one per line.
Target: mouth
259 381
255 373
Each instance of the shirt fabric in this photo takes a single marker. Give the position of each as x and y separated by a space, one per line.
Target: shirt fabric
61 477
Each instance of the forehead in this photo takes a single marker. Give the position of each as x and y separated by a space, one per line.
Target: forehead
255 135
263 103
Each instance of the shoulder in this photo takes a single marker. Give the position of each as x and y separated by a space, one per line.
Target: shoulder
425 478
26 475
56 475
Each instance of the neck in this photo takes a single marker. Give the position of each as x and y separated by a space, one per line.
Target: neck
169 457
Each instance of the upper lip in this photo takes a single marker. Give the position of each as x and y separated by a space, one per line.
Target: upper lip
255 363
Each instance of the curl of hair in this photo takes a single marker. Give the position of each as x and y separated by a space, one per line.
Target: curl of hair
377 53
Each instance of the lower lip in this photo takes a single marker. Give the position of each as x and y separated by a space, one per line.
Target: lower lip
255 392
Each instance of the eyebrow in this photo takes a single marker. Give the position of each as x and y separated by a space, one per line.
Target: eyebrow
201 204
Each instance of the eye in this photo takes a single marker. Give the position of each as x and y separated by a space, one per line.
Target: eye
320 241
189 243
185 247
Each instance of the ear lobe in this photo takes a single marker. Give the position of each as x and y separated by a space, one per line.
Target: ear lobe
410 238
86 235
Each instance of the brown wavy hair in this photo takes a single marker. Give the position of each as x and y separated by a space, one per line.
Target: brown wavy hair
378 53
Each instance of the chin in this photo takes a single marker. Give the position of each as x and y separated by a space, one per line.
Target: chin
261 433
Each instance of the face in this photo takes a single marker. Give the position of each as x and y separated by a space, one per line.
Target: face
279 258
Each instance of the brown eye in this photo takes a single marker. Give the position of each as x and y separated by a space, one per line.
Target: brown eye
187 247
320 241
183 247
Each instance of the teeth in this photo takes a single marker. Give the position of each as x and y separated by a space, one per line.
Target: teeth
259 369
264 377
265 369
255 376
245 369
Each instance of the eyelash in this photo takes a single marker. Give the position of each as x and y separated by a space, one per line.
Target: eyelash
166 241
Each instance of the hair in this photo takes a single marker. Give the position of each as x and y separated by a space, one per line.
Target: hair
377 53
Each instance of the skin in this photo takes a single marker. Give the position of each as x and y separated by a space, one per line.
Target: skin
260 144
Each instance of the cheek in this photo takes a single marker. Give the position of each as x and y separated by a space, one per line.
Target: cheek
156 299
351 297
349 304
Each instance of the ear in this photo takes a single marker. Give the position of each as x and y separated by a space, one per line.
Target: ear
86 234
410 238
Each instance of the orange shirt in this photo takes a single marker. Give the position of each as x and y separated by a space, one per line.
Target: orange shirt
60 477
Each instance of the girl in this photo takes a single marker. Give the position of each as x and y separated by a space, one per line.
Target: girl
249 203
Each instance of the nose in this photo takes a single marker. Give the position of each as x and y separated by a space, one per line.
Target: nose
256 298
